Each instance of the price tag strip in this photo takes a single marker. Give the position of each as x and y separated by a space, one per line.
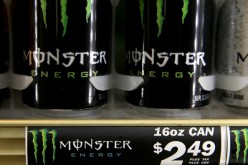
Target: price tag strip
127 145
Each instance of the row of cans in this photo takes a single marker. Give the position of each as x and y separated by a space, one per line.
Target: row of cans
166 54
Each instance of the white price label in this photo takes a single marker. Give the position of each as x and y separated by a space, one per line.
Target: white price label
206 149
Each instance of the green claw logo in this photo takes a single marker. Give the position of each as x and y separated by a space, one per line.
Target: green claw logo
160 17
141 7
238 134
185 10
44 7
64 16
35 143
88 10
44 135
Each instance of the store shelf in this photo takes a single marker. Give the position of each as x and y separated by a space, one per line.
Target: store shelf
118 112
12 142
14 118
12 108
12 160
12 132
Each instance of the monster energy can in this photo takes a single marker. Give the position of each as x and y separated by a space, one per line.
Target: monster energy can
232 52
61 49
4 47
169 43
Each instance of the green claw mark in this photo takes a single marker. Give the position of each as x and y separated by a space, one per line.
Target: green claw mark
64 19
88 10
142 7
44 143
185 10
35 143
54 135
245 132
160 18
237 141
44 7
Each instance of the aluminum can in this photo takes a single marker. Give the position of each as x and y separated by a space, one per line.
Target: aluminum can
170 44
59 45
4 51
231 53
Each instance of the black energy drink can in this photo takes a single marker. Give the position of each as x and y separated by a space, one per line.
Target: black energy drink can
4 50
58 46
232 52
170 44
4 42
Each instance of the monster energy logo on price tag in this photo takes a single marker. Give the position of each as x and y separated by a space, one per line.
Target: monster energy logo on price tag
45 140
238 145
76 145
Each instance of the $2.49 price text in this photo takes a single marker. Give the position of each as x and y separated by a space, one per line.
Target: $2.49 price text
189 145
